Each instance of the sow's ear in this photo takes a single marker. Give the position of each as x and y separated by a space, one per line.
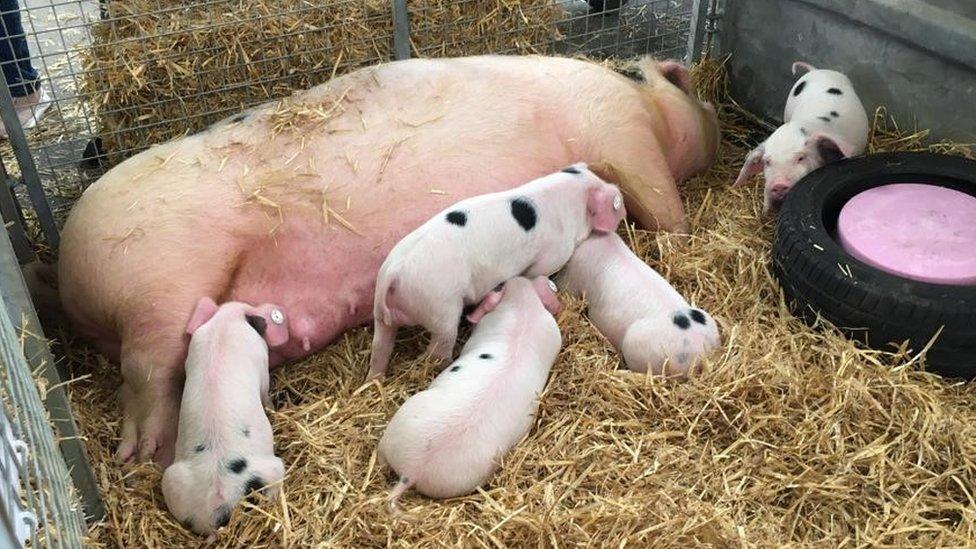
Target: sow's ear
203 312
677 74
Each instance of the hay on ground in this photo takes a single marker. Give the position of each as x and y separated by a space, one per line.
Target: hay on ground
791 436
159 69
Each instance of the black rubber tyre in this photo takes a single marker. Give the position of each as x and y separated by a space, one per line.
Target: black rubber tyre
872 306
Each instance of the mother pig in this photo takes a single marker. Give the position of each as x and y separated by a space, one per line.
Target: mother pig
298 202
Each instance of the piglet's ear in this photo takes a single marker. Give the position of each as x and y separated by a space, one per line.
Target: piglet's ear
269 321
203 312
605 207
802 65
677 74
546 290
487 304
751 166
831 148
259 324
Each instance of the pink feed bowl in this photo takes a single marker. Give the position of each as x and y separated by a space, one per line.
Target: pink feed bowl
913 230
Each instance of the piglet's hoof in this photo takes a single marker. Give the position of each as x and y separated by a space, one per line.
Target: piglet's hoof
373 375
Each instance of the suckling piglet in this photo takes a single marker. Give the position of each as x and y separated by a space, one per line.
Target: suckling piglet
823 121
446 441
642 315
224 448
459 255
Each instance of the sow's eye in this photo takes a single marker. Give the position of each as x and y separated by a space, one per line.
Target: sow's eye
801 158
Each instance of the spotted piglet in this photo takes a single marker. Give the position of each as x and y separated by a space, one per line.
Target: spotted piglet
459 255
649 322
824 121
224 449
447 440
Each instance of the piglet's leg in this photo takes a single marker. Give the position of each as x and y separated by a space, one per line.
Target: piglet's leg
443 337
383 338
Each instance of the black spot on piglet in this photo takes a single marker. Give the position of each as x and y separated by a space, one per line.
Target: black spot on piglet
222 516
456 368
834 114
239 118
571 169
681 321
237 465
457 218
524 213
697 316
799 88
834 91
484 356
253 484
824 118
199 448
257 322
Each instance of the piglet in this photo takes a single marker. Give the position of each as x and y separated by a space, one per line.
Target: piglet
824 121
459 255
645 318
447 440
224 449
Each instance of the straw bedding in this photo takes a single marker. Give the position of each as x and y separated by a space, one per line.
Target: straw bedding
791 435
160 68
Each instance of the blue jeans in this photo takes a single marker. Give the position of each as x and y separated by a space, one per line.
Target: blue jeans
21 77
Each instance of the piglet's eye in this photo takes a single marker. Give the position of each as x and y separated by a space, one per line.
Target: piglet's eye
801 158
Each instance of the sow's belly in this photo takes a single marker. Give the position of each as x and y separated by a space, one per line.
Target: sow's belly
324 276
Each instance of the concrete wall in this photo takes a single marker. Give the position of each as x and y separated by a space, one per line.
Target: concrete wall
917 57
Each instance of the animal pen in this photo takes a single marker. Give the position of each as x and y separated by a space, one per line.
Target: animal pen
814 456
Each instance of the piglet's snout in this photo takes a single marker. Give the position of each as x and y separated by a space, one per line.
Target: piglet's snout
202 493
778 189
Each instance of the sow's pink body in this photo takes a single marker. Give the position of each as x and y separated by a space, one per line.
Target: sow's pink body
299 203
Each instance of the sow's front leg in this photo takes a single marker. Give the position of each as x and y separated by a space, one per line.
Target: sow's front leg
152 386
153 356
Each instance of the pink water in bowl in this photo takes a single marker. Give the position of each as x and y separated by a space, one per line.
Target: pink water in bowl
916 231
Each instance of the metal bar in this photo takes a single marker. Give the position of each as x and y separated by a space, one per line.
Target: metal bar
28 170
696 33
20 310
13 218
401 30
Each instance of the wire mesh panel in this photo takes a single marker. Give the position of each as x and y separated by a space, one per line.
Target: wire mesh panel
42 509
121 75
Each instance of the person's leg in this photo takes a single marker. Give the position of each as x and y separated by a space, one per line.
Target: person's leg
20 75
